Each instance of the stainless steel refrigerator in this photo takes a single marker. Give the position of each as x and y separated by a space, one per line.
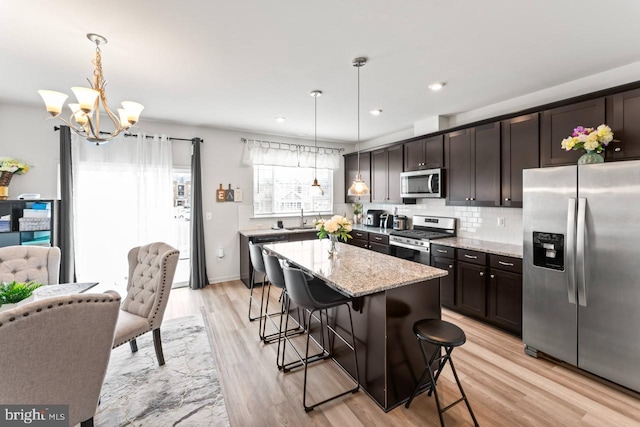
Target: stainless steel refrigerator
581 277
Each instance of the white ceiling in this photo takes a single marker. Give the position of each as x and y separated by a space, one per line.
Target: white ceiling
239 64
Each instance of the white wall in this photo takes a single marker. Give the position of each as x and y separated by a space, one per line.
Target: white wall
27 136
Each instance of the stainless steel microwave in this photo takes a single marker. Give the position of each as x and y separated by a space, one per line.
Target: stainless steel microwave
419 184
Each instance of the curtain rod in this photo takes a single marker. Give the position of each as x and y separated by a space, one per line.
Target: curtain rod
289 145
55 128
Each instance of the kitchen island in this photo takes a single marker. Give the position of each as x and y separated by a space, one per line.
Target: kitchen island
390 294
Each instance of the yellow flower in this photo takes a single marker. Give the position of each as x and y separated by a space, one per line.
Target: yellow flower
591 142
569 142
604 134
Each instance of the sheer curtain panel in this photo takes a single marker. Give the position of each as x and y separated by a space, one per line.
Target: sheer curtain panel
122 194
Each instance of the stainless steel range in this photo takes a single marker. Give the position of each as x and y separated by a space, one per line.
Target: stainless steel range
414 244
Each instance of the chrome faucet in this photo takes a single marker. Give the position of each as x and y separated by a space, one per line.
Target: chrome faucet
302 221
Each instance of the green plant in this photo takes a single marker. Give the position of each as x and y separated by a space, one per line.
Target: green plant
357 208
11 293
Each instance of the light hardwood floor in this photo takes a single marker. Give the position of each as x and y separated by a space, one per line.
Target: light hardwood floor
504 386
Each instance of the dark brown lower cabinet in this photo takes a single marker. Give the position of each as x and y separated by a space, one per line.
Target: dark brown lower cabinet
448 282
471 289
505 300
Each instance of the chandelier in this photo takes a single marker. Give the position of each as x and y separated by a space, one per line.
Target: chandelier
359 187
85 114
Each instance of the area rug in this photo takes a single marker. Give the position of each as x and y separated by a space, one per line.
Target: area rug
184 392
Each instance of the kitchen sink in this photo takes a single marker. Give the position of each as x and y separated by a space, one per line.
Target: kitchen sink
305 227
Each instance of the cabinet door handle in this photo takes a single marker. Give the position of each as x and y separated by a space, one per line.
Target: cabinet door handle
617 149
472 198
378 238
466 198
470 256
450 265
508 264
506 199
442 251
493 276
481 273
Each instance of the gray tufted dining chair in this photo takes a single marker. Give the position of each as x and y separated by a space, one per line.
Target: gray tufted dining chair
151 271
56 351
30 263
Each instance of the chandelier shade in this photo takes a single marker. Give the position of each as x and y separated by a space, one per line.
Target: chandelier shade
92 104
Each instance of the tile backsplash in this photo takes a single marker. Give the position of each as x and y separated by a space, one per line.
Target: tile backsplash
473 222
502 225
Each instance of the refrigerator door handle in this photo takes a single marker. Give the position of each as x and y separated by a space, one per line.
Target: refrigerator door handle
571 244
580 252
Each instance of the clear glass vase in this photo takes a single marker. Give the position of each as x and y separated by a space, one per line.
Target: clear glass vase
333 247
590 157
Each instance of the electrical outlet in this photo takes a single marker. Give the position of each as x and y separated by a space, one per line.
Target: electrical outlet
500 221
209 216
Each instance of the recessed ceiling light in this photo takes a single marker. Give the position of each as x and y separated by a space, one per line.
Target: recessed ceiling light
437 86
280 119
375 112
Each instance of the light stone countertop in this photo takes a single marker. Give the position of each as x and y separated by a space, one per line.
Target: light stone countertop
354 271
378 230
271 231
505 249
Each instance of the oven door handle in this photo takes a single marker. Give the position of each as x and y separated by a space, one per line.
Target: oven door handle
406 246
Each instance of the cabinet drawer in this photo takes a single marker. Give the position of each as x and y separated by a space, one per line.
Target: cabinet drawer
506 263
359 235
443 251
472 257
382 239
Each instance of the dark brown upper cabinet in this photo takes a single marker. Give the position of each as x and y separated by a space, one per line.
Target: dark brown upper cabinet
520 150
558 123
425 153
351 169
623 113
472 158
386 166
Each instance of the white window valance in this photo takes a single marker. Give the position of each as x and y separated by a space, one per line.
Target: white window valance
257 153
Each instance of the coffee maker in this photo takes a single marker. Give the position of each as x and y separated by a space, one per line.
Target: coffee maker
373 218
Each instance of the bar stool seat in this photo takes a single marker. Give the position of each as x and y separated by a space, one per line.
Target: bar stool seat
439 332
443 335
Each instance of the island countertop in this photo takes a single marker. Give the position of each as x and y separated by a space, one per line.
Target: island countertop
354 271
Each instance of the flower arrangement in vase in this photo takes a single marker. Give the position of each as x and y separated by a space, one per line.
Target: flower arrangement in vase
593 141
8 167
335 228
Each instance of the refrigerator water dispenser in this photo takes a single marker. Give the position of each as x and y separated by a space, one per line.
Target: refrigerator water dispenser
548 250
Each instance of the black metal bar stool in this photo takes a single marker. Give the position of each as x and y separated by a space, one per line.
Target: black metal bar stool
276 278
443 335
255 254
316 297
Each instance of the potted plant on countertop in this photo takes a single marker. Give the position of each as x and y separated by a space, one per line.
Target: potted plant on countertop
593 141
357 213
336 227
12 293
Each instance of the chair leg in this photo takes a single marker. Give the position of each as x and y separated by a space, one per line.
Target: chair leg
464 396
134 345
253 278
157 344
87 423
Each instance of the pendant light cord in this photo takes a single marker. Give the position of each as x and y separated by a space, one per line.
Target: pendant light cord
315 136
358 143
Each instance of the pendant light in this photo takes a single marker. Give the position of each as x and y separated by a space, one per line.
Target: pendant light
359 187
315 187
